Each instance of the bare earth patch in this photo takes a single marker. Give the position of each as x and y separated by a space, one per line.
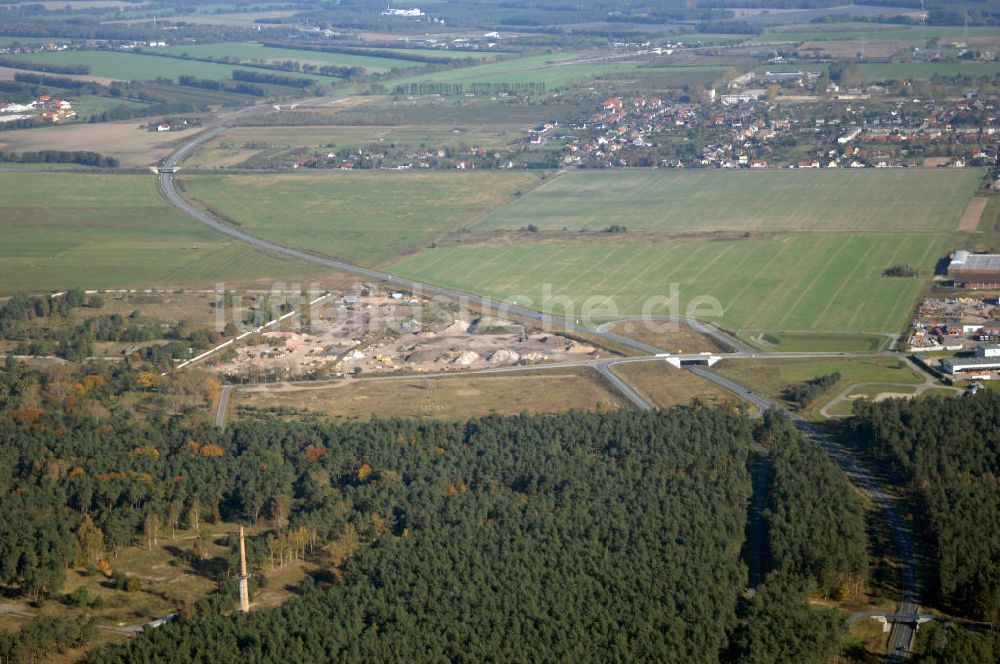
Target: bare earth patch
455 397
134 147
973 213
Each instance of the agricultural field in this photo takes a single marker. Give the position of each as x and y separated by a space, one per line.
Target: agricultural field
241 143
132 145
873 31
816 282
97 230
365 217
450 398
754 201
442 53
554 70
246 52
139 67
666 386
878 71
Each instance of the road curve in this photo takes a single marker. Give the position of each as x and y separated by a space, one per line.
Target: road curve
166 180
902 635
626 390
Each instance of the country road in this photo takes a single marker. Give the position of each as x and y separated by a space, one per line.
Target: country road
901 638
220 415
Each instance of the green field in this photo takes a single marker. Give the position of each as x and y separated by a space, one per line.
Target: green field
366 217
791 342
440 53
773 200
87 105
828 282
878 71
773 377
871 31
256 53
99 230
551 70
139 67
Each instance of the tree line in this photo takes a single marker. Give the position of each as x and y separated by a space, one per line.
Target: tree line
49 67
84 158
803 394
452 89
271 79
213 84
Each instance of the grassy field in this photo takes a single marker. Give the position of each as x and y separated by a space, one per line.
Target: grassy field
845 408
255 53
849 31
134 147
551 70
96 230
677 338
791 342
138 67
666 386
441 53
773 377
367 217
88 105
778 200
828 282
885 71
451 398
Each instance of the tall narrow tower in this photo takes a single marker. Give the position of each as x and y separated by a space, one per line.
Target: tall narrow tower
244 587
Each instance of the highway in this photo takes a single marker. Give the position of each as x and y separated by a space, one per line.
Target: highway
904 625
166 180
902 635
725 340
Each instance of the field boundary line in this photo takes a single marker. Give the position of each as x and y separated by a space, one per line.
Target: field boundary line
542 183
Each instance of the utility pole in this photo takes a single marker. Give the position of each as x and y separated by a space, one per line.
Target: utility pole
244 577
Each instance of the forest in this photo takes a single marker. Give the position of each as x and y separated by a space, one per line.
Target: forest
579 536
946 453
568 537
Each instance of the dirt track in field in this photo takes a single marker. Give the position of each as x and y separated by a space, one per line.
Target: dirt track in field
973 213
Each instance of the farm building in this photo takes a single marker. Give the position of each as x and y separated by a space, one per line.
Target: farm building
970 270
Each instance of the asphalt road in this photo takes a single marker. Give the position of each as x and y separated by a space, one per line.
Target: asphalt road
220 415
902 635
904 626
170 192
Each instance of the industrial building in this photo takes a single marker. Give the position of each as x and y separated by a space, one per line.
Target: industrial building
969 270
987 359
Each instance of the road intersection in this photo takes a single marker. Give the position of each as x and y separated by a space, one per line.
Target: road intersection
901 639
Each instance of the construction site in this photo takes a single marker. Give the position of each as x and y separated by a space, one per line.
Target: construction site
385 333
